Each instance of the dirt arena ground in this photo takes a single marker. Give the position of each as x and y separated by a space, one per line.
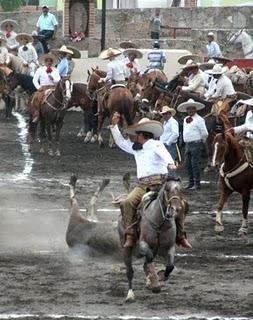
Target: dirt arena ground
40 278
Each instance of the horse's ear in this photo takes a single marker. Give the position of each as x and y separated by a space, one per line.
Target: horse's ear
93 69
88 72
97 68
138 73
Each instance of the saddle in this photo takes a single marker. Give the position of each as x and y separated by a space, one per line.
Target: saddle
118 85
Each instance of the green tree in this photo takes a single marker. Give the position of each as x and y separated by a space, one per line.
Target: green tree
10 5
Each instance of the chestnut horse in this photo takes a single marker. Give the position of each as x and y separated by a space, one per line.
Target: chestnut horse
236 174
149 90
117 98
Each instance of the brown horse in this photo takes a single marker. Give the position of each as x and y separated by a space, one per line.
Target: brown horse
236 174
117 98
52 112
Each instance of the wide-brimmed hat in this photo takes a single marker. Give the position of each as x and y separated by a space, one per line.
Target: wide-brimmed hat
138 54
127 45
146 125
167 109
207 65
190 64
26 36
190 103
8 21
109 53
76 53
183 59
63 49
223 60
217 69
210 34
248 102
51 56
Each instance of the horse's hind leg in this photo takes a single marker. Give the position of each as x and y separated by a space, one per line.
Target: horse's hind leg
130 273
245 207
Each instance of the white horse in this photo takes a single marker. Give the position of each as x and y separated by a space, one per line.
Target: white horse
246 40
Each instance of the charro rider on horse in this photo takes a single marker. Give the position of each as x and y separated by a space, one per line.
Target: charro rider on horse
152 161
45 78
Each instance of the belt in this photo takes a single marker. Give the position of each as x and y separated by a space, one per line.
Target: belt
154 179
193 142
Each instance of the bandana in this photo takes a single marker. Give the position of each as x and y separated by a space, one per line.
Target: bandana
49 70
189 119
25 48
137 146
8 34
130 65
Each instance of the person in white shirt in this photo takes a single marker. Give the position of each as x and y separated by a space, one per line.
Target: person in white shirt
115 69
194 134
152 161
196 82
45 77
170 131
5 58
213 49
27 53
7 26
130 63
224 87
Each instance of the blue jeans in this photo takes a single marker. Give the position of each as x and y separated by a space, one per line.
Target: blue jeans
47 34
172 150
193 162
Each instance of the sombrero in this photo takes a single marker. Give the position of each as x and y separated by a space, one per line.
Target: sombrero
109 53
190 103
63 49
48 56
223 60
146 125
166 109
207 65
138 54
190 64
127 45
8 21
76 53
26 36
36 35
210 34
194 57
248 102
217 69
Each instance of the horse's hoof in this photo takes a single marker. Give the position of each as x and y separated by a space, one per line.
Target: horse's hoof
243 231
161 275
93 140
101 145
80 134
219 228
130 296
156 289
42 150
58 153
50 152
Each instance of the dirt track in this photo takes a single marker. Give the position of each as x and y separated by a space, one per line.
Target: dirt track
40 276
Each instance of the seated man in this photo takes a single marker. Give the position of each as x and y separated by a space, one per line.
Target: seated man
196 84
45 77
153 161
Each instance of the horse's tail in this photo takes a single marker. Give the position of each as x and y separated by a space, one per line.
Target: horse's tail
126 105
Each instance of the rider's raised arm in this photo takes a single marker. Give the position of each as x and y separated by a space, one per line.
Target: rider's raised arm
124 144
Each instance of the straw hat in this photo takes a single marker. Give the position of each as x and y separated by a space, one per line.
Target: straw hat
207 65
223 60
127 45
26 36
166 109
109 53
217 69
138 54
146 125
248 102
76 53
185 58
63 49
48 56
190 103
8 21
190 64
210 34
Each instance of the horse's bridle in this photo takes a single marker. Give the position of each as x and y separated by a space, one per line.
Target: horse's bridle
61 103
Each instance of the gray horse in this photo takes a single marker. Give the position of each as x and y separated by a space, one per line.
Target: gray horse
157 234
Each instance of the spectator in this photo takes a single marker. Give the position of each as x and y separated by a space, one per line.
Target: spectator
47 27
156 57
7 27
37 44
155 25
213 49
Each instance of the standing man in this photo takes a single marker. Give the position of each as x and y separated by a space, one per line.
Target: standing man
47 27
213 49
170 131
153 162
156 57
194 134
155 25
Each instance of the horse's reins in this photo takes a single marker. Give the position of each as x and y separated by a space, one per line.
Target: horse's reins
61 103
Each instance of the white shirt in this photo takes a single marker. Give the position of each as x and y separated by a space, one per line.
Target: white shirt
4 55
195 130
170 132
196 84
127 69
41 77
211 88
11 40
47 22
115 71
28 56
248 125
213 50
224 88
151 160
